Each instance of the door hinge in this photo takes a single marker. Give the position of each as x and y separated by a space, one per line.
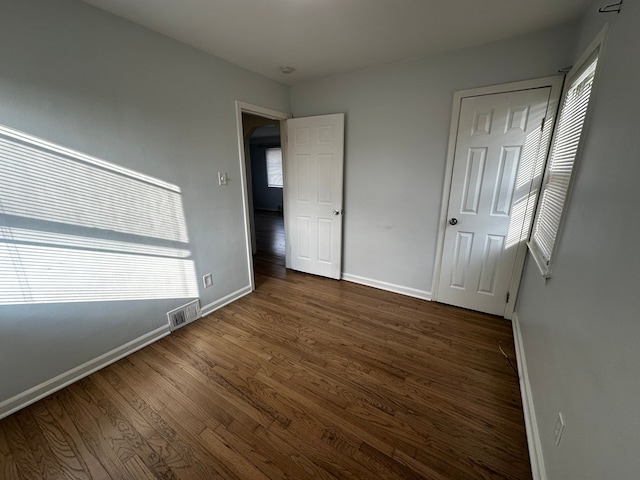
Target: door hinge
508 296
542 124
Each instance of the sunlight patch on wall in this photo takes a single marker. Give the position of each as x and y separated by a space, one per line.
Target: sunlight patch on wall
74 228
50 183
524 199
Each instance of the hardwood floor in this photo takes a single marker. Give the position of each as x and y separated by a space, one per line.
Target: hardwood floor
305 378
270 241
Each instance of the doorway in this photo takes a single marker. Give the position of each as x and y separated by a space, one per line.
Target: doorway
263 156
250 118
497 148
312 160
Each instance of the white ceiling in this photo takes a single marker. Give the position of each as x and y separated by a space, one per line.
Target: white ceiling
327 37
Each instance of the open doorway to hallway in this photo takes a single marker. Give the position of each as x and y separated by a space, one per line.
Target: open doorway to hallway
263 156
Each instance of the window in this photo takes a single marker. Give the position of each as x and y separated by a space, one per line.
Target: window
274 167
562 158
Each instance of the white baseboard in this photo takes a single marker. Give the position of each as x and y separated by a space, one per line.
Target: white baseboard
232 297
390 287
38 392
533 435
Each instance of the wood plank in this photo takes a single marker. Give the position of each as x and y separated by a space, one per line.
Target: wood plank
38 445
240 466
83 453
61 446
160 437
8 467
25 461
182 423
102 440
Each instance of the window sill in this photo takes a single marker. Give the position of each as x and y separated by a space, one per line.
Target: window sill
544 268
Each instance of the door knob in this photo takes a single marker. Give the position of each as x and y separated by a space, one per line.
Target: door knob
453 221
336 212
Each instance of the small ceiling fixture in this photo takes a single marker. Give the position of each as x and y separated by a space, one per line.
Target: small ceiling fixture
287 69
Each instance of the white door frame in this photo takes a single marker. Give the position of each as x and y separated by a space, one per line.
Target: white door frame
242 107
555 82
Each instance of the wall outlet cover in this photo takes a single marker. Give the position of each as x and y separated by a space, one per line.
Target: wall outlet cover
207 280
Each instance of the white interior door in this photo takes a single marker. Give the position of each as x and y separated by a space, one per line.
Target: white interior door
496 149
313 194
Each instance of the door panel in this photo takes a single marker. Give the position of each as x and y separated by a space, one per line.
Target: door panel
313 194
497 139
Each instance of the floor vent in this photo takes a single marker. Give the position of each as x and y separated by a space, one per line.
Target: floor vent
180 316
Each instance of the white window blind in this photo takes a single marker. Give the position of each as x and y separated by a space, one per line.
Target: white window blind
274 167
560 164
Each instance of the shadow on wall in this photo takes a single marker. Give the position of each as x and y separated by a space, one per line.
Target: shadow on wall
74 228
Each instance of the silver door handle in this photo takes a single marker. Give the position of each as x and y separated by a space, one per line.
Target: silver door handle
337 212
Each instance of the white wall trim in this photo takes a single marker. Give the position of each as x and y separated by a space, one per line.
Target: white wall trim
226 300
48 387
533 435
390 287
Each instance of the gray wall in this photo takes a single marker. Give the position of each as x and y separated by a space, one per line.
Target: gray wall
264 197
581 329
397 128
87 80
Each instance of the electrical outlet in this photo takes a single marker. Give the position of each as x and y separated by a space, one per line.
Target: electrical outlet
559 429
207 280
223 179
